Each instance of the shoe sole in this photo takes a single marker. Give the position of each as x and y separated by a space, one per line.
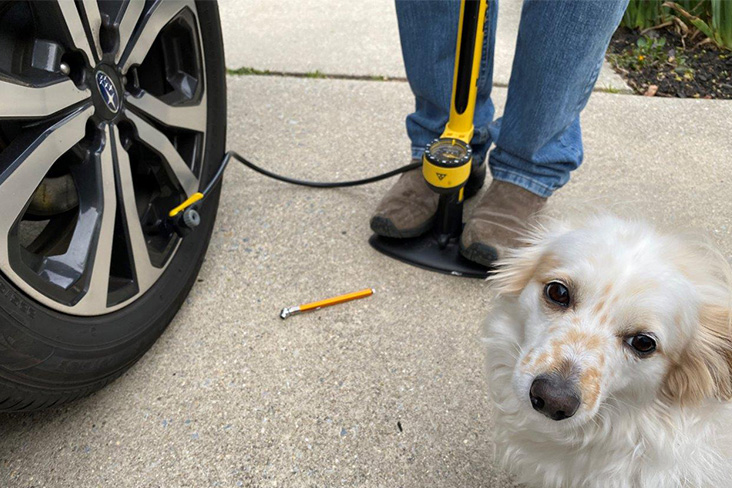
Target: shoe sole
480 253
386 228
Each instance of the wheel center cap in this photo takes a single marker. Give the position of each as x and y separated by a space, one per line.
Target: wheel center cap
108 93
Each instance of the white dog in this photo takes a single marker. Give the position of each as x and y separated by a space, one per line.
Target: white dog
609 359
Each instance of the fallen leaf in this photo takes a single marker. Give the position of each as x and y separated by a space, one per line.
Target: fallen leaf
651 91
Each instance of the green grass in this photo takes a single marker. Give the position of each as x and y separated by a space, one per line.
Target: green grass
315 74
246 70
249 71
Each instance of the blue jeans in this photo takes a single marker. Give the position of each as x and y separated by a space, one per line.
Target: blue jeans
560 49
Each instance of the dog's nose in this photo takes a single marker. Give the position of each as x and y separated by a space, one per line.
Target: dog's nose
554 396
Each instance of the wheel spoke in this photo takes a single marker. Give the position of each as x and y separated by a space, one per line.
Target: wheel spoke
157 141
129 16
152 23
146 273
76 29
95 299
20 177
18 101
189 117
94 18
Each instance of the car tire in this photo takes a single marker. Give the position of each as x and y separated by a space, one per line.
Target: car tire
49 354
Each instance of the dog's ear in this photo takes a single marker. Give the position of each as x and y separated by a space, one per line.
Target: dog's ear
704 369
515 271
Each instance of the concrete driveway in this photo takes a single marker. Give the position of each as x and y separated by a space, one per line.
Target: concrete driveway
386 391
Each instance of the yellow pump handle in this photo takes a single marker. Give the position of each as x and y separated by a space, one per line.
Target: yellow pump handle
460 125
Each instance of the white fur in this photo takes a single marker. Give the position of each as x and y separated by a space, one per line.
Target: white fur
632 436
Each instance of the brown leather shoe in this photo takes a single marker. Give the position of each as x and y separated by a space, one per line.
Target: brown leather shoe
498 221
408 208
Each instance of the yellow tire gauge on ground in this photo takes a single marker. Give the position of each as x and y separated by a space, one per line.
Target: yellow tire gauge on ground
308 307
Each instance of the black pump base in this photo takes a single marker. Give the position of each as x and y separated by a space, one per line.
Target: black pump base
425 252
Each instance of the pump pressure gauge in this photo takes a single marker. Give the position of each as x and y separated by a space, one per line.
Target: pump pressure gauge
448 152
446 164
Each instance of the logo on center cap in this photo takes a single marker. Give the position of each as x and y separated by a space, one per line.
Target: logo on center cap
108 91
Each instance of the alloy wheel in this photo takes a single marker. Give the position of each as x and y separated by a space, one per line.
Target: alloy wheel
102 129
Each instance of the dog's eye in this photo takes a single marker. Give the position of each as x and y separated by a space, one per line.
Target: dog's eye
557 293
642 343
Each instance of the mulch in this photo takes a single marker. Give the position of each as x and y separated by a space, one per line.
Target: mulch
685 69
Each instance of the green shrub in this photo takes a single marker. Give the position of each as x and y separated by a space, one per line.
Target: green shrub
646 52
713 18
642 14
722 21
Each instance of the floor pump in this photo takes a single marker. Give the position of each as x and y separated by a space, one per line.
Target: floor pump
447 162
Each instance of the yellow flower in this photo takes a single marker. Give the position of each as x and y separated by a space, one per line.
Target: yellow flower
641 57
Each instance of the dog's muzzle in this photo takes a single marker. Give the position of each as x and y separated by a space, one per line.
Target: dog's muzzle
554 396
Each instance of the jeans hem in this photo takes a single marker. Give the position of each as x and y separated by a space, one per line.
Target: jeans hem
417 153
523 181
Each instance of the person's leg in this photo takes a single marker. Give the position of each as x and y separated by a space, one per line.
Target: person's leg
428 32
559 53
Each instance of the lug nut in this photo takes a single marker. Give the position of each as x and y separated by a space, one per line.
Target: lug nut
65 69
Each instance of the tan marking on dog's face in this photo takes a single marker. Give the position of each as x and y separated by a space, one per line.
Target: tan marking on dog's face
545 360
554 359
606 291
534 364
542 360
587 374
589 381
556 353
564 368
573 336
604 319
588 342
